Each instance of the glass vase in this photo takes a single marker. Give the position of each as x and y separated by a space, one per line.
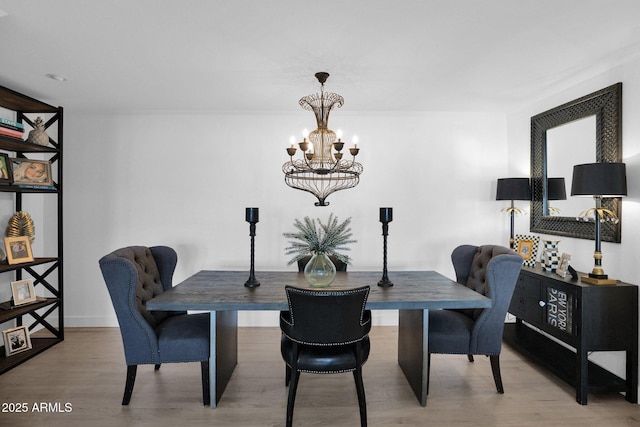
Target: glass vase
320 271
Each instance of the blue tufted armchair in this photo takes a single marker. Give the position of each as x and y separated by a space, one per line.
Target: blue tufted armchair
134 275
492 271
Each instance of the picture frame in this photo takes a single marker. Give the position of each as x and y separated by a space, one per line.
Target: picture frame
6 174
16 340
563 265
18 249
527 247
29 172
23 292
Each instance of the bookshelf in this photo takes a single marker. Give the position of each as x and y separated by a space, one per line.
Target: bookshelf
45 315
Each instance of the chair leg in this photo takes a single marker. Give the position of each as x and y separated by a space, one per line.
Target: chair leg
128 388
362 402
156 367
293 387
206 394
287 375
470 357
495 368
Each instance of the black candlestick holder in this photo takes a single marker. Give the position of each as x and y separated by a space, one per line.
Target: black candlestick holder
386 216
252 217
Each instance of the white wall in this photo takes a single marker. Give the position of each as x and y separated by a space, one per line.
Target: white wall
184 179
620 261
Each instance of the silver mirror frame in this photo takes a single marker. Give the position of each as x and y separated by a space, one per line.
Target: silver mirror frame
606 105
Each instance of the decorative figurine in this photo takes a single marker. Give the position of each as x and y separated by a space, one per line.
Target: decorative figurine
38 135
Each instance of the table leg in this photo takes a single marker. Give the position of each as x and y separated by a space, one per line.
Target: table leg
413 350
223 354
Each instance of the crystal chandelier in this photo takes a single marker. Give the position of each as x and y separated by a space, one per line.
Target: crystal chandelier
322 171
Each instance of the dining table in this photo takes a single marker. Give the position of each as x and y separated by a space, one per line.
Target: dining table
223 294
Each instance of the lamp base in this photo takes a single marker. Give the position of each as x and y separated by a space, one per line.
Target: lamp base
598 279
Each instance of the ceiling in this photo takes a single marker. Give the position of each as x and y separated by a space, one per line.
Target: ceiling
259 56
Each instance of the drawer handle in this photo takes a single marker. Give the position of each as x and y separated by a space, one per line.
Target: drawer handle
542 303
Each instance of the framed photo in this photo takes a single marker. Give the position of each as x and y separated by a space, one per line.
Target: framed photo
18 249
31 172
23 292
527 247
16 340
563 265
6 176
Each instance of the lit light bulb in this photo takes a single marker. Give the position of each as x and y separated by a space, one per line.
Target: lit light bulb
355 141
305 133
339 134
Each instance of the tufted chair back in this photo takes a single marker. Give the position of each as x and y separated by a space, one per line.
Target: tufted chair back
148 283
471 263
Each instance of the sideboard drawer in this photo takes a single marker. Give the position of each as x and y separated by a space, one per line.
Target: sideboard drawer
525 303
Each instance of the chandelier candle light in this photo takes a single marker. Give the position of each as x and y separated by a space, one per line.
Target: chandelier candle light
322 171
252 215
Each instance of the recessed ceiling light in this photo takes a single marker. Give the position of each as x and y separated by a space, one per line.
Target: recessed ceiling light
57 77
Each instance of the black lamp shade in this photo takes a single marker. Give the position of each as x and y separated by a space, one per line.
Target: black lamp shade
556 189
513 189
599 179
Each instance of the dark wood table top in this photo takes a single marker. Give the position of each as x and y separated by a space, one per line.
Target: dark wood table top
225 290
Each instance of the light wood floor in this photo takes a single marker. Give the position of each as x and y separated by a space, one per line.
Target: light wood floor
87 371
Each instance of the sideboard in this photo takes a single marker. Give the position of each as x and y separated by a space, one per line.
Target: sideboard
586 318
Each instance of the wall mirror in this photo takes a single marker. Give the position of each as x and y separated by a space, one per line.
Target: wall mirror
559 141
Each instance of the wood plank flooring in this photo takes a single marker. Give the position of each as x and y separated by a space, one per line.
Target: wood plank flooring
87 372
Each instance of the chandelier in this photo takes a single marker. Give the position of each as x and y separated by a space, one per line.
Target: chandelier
322 171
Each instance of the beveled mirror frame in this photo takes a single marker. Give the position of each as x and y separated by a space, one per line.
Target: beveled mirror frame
606 105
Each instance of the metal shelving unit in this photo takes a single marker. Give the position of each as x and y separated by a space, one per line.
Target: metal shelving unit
46 272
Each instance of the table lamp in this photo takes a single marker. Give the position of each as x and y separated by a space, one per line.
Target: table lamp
599 180
513 189
556 190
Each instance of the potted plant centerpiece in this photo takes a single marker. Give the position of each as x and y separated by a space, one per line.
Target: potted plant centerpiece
320 241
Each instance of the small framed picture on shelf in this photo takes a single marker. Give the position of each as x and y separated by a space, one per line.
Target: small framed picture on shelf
527 247
18 249
6 177
29 172
16 340
23 292
563 265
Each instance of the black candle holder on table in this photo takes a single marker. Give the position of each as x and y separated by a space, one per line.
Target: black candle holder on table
386 216
252 217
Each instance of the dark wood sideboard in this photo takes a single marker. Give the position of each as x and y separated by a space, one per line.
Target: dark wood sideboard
587 318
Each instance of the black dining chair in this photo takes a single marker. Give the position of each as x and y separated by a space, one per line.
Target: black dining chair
325 332
493 271
134 275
